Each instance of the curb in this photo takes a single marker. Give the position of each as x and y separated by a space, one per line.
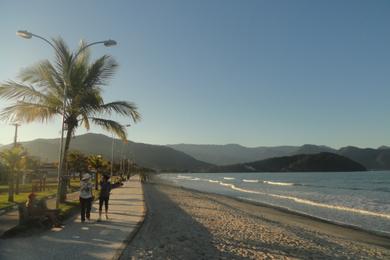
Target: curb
119 252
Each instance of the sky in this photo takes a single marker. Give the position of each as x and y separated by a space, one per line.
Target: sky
255 73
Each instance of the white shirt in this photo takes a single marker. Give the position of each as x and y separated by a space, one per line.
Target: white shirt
86 189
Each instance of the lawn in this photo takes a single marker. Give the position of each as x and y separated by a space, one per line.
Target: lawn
51 190
25 190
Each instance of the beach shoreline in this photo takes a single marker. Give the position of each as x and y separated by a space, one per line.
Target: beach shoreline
374 233
187 224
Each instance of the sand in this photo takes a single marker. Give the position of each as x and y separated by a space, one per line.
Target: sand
185 224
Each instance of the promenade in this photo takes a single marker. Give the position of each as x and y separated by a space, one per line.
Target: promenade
96 240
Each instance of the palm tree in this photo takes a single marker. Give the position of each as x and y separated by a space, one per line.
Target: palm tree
97 163
40 93
3 173
30 163
12 158
77 162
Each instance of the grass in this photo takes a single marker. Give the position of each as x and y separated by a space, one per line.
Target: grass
51 190
67 208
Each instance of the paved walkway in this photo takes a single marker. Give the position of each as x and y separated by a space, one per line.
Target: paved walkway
97 240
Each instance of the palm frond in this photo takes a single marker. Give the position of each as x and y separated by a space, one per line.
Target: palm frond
13 90
85 120
110 126
44 75
84 54
27 112
63 57
88 101
100 71
123 108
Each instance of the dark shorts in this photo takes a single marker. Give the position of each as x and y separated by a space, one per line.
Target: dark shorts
105 200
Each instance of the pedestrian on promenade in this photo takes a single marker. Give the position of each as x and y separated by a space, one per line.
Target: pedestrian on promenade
105 188
86 197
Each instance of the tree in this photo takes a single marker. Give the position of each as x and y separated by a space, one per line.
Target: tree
77 162
3 173
39 95
12 158
97 163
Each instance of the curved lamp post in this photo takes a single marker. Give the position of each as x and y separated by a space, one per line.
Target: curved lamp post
108 43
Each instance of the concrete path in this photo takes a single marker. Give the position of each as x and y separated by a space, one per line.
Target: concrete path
97 240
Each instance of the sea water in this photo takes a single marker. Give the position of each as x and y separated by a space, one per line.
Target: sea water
360 199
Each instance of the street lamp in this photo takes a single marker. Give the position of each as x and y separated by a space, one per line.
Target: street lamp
108 43
112 151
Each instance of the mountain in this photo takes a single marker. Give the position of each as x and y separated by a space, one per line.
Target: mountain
189 157
151 156
312 149
232 153
373 159
378 159
320 162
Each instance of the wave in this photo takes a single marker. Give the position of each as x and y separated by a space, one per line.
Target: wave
244 180
309 202
229 178
213 181
279 183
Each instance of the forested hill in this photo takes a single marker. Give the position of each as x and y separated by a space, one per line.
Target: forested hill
158 157
321 162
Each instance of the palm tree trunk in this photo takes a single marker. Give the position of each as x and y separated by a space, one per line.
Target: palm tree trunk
63 182
17 182
11 186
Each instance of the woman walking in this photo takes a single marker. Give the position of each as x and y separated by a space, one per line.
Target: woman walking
86 197
105 188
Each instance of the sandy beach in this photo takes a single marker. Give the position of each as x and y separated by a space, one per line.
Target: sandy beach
185 224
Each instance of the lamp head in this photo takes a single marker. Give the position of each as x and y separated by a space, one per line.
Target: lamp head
109 43
24 34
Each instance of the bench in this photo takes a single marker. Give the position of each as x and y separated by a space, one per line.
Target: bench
26 219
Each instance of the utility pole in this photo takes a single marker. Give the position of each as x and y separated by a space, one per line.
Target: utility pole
16 134
112 155
11 176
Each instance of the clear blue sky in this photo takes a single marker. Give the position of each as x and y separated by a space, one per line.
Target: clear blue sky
257 73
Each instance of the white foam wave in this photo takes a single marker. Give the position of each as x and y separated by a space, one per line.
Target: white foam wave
309 202
225 184
229 178
245 180
279 183
295 199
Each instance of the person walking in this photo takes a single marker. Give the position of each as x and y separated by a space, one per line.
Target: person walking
105 188
86 197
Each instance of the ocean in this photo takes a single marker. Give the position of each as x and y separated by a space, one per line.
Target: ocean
359 199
